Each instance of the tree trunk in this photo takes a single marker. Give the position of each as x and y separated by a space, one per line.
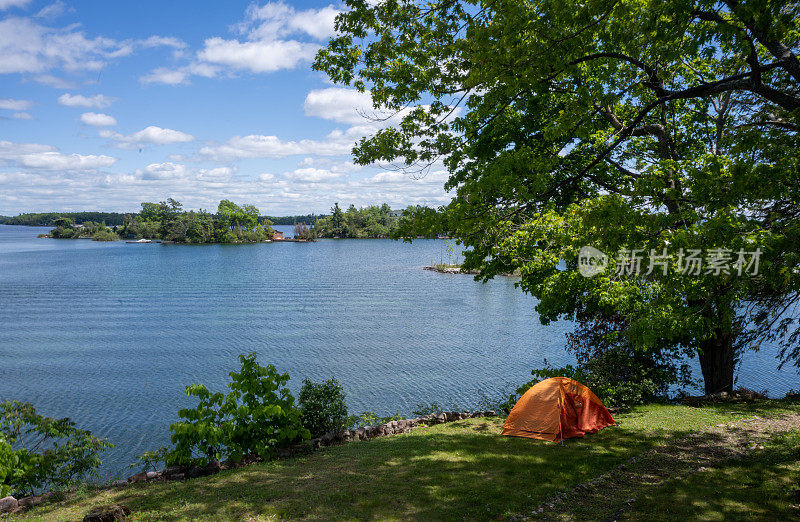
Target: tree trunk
717 362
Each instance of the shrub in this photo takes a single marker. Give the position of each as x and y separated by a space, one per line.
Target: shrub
370 418
426 409
257 416
322 406
105 235
38 452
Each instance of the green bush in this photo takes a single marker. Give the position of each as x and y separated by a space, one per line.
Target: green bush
322 406
426 409
105 234
257 416
370 418
38 452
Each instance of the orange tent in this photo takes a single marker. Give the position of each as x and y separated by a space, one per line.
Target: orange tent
557 409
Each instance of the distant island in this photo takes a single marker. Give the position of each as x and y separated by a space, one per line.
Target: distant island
373 221
167 221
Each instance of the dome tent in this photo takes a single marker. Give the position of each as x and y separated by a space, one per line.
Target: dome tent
556 409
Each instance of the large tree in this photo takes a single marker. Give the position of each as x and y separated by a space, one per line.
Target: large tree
648 128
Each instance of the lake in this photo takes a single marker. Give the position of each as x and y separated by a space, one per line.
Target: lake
110 333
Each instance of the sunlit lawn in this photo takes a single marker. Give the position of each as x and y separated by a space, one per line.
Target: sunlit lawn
460 470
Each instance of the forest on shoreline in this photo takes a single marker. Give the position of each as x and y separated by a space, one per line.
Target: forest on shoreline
231 223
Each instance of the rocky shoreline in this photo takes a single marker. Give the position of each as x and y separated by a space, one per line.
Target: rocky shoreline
9 505
329 439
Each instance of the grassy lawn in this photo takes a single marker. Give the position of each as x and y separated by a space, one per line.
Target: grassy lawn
455 471
758 487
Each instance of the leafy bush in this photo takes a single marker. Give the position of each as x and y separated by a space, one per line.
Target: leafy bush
257 416
426 409
38 452
149 460
322 406
105 234
370 418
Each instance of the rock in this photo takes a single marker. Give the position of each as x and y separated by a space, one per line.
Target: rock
139 477
8 504
193 472
361 434
212 467
108 513
316 443
153 475
31 501
120 483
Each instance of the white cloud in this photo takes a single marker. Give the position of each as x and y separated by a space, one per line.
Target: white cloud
98 101
53 10
6 4
179 75
312 175
162 41
216 174
166 170
275 20
53 81
59 161
149 135
47 157
26 46
339 104
258 57
15 105
22 116
264 48
98 119
258 146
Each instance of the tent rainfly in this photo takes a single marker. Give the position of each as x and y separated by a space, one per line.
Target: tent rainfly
557 409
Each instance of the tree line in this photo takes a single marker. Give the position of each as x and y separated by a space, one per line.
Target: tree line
167 221
372 221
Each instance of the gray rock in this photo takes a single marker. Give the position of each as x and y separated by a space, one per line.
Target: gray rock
8 504
32 501
361 434
120 483
139 477
153 475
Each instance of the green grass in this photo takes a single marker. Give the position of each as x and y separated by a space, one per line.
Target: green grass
455 471
759 487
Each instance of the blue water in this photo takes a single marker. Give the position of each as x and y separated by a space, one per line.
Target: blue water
110 333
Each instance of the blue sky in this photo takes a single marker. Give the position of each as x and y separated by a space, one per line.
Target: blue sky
105 105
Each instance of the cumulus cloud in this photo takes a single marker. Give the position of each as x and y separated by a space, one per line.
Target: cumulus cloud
26 46
259 56
179 75
259 146
47 157
166 170
151 135
339 104
312 175
15 105
98 119
265 45
98 101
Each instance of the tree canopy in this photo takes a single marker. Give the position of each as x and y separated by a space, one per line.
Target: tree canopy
648 130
